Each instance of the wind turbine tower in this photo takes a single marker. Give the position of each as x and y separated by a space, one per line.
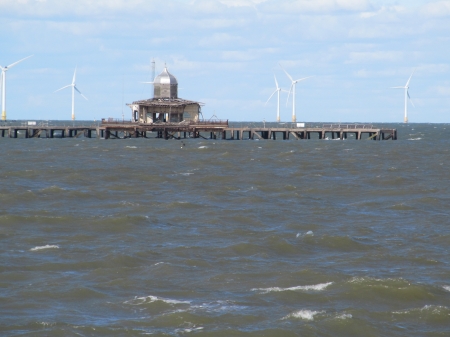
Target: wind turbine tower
153 74
74 87
406 88
293 85
153 77
4 70
277 90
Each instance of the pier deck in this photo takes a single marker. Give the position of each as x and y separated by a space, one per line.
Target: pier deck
207 130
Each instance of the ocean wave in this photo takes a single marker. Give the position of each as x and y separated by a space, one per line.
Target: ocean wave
315 287
428 309
307 315
308 233
152 299
44 247
218 307
344 316
446 288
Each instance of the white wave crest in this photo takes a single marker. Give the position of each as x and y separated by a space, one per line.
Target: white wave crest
308 233
431 309
131 147
151 299
446 288
44 247
307 315
316 287
202 147
344 316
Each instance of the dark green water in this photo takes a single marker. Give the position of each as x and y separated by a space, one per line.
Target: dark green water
226 238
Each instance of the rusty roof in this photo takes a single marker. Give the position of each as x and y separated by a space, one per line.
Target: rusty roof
166 102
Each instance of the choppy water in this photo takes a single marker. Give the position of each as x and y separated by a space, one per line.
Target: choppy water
226 238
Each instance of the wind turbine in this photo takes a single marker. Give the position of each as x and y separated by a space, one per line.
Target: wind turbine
406 87
278 102
4 70
293 84
153 75
74 87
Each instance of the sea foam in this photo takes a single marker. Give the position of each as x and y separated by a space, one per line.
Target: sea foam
151 299
306 315
44 247
315 287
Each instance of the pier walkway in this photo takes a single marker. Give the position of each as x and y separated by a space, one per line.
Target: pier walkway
204 129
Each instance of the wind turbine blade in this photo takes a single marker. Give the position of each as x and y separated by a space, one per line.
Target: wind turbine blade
80 93
149 83
286 73
63 88
271 96
12 65
287 100
302 79
407 83
74 76
397 88
410 99
276 82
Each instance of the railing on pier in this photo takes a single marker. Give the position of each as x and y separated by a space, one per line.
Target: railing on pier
116 121
112 121
347 126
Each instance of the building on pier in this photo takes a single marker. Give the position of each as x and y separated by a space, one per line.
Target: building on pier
165 106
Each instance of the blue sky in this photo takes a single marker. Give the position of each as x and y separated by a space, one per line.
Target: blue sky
225 53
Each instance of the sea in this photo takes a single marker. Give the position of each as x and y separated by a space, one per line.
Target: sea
204 237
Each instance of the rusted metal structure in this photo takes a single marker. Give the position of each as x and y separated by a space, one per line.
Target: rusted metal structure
119 129
165 106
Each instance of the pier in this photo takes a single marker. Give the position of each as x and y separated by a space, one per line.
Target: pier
109 129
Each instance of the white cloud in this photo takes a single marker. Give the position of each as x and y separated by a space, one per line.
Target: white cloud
367 57
323 5
385 12
242 3
437 9
220 39
443 90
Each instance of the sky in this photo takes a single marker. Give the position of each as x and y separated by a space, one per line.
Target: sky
225 54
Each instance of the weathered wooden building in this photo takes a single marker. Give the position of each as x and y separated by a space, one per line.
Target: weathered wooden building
165 106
